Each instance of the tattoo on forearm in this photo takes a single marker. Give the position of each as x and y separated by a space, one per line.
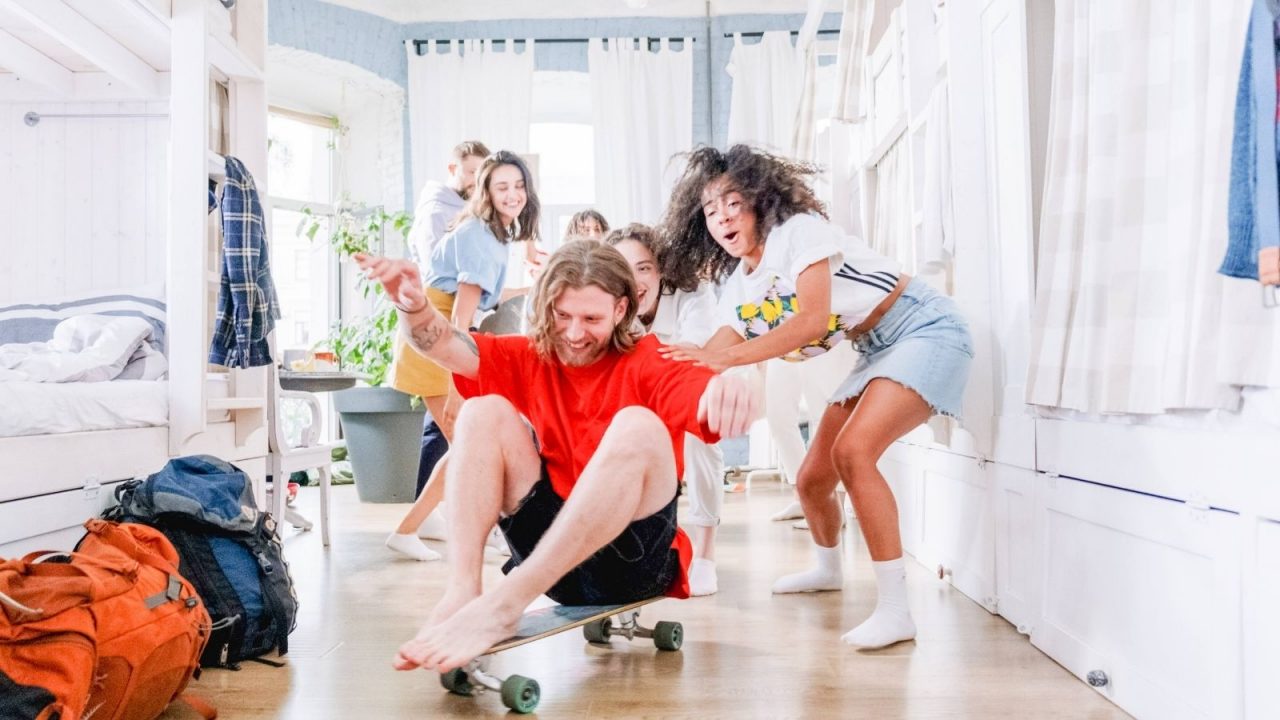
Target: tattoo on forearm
426 336
468 340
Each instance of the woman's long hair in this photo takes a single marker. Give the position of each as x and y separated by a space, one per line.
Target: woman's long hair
576 265
648 237
480 206
775 188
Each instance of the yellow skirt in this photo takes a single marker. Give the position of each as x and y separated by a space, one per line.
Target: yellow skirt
415 373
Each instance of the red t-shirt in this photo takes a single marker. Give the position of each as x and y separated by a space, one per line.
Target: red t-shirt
571 407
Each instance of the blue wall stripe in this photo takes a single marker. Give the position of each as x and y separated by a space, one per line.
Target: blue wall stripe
376 44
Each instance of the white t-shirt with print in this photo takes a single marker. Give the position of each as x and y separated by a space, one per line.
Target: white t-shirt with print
754 303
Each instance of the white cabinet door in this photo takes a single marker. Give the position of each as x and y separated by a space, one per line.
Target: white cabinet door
1262 623
1018 569
956 524
1147 591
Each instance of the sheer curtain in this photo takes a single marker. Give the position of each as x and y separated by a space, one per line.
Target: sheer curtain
466 90
642 113
767 90
1130 315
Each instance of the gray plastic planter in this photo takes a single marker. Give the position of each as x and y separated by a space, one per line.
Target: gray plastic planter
384 438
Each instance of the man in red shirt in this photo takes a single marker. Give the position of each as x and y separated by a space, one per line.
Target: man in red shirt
572 440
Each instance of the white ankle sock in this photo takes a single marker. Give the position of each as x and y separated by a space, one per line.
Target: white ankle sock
828 575
409 544
702 577
498 542
790 512
434 527
891 621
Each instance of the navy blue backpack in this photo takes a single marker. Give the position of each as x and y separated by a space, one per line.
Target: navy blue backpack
229 551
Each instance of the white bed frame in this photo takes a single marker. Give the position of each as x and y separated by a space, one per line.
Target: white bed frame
49 484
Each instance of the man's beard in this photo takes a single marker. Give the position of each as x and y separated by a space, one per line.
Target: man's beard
582 357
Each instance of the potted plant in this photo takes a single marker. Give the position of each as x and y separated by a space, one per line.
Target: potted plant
382 425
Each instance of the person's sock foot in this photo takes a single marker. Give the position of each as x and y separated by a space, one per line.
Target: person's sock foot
702 577
886 626
409 545
434 527
790 512
827 574
498 542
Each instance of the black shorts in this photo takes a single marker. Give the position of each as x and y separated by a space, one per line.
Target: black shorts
639 564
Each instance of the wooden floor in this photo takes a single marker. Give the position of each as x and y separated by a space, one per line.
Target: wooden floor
747 653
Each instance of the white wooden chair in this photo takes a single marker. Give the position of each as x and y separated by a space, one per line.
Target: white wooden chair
286 459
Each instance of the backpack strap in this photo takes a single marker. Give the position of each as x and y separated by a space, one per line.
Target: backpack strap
200 705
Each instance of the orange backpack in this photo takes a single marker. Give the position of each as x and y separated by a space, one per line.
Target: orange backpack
110 631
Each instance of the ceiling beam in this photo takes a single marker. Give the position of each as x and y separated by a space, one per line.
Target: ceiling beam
30 64
70 28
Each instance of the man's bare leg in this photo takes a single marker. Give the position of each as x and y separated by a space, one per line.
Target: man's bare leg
631 476
496 455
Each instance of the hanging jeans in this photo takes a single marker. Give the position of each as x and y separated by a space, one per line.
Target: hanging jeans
1254 204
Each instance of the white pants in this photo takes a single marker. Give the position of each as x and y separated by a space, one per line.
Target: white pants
703 481
785 384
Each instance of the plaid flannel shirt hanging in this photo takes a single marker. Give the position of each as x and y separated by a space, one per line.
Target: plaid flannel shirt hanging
247 304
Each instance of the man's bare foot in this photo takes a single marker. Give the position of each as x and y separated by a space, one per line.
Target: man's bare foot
450 603
462 637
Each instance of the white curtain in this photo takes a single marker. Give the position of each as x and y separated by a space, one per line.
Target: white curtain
466 90
1130 315
767 90
891 230
642 115
855 33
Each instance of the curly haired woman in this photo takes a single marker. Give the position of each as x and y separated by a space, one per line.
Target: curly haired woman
794 286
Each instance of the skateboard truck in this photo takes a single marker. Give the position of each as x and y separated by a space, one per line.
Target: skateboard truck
665 635
521 694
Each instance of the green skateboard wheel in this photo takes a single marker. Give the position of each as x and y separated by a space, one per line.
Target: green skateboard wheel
668 635
520 693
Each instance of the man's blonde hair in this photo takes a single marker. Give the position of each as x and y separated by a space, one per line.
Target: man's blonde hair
576 265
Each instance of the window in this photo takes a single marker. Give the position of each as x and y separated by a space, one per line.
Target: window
562 136
300 166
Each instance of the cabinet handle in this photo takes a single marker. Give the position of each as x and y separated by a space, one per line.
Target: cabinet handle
1097 678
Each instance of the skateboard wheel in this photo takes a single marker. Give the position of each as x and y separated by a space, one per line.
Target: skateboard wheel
598 631
457 682
668 635
521 694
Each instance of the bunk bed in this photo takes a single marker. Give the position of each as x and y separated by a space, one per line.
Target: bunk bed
81 62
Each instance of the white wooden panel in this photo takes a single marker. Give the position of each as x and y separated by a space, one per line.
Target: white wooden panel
957 524
1262 624
83 200
50 522
1017 545
9 123
42 464
1147 591
1009 236
49 205
1233 469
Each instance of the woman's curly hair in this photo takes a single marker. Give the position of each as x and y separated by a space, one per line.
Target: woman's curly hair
775 188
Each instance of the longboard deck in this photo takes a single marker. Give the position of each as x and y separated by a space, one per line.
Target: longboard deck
544 622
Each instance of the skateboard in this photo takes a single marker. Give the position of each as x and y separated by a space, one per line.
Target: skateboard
522 694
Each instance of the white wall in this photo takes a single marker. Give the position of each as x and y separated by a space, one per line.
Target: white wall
82 201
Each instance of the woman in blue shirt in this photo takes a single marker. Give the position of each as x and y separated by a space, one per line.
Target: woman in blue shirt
466 273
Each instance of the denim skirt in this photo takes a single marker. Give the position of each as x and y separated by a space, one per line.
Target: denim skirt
921 343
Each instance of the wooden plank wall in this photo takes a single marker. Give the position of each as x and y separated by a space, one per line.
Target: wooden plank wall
82 201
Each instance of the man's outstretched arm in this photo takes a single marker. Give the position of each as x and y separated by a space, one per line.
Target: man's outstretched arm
425 328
